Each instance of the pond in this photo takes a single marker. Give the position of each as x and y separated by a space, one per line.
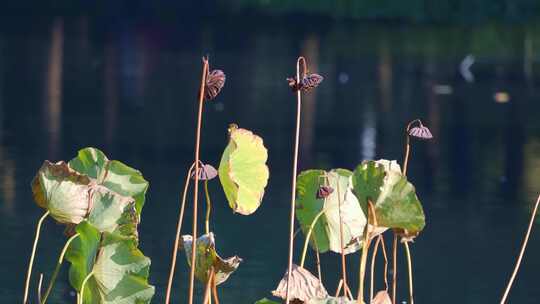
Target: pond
129 87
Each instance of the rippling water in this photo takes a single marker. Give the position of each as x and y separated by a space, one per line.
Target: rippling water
129 87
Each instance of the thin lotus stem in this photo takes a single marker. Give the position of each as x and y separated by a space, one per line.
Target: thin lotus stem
208 290
57 269
385 261
409 265
39 287
308 235
295 167
372 274
208 207
177 239
214 290
522 252
34 247
365 250
348 293
343 261
407 152
83 285
319 272
338 290
196 188
394 268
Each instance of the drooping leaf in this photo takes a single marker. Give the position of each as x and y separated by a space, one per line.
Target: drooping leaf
303 286
243 172
326 232
112 174
394 198
207 257
62 191
121 272
82 254
266 301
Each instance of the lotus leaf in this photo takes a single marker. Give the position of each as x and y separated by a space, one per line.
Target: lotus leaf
394 198
266 301
303 286
207 257
243 172
112 174
331 300
62 191
326 232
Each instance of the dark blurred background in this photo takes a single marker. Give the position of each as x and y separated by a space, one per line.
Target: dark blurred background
122 76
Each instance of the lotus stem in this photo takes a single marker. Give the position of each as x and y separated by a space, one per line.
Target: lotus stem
196 187
385 261
34 247
407 152
522 251
214 290
83 285
319 272
40 281
177 238
409 266
365 250
394 268
343 261
372 274
295 167
340 285
57 269
208 207
207 297
308 235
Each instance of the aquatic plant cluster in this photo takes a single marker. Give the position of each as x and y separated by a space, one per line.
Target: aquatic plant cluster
100 201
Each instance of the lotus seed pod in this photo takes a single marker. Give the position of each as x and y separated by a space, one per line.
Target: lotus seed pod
205 172
215 81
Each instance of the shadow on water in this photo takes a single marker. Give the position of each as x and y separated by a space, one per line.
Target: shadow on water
129 87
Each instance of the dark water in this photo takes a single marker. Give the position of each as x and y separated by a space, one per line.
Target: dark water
129 88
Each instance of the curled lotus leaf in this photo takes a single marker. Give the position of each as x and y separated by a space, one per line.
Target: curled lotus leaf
326 231
208 258
243 172
303 286
113 174
62 191
394 198
382 297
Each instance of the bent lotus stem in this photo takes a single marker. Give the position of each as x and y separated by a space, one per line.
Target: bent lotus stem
34 247
83 285
196 187
522 252
385 261
208 207
177 239
409 266
57 268
372 274
294 171
40 281
343 264
308 235
408 145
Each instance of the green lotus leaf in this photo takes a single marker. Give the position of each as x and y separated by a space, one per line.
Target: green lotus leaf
112 174
266 301
112 212
243 172
394 198
303 286
326 232
81 254
62 191
331 300
207 257
121 272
